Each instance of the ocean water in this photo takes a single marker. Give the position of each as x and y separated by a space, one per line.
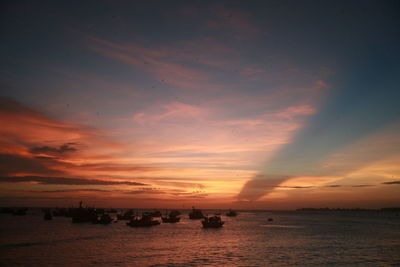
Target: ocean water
293 238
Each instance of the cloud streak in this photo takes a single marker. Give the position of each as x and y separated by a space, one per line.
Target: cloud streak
65 181
391 183
48 150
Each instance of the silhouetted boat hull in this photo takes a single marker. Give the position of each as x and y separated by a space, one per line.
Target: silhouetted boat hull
196 214
47 216
212 222
20 212
83 215
231 213
104 219
145 221
155 213
125 216
170 219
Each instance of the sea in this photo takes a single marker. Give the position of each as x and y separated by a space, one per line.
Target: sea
253 238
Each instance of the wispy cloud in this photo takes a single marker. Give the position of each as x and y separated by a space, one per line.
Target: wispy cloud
65 181
159 63
48 150
179 184
391 183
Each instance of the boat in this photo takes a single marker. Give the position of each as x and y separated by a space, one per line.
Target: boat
155 213
47 215
196 214
111 210
83 215
231 213
212 222
105 218
20 212
144 221
100 211
6 210
125 216
175 213
172 217
58 212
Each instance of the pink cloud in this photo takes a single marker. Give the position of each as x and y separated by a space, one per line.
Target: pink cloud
291 112
250 70
156 62
173 112
210 128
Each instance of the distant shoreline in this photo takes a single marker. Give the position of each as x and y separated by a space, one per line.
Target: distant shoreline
349 209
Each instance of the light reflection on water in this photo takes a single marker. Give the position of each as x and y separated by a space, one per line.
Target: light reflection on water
293 238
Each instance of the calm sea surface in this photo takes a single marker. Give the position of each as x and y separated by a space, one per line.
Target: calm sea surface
292 239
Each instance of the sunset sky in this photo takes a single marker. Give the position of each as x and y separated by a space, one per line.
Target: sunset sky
216 104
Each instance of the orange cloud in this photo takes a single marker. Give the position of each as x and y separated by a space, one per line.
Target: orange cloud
41 145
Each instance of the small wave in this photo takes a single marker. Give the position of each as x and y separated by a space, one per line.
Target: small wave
281 226
50 242
25 244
